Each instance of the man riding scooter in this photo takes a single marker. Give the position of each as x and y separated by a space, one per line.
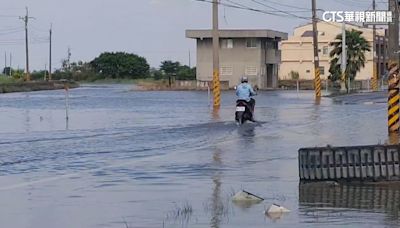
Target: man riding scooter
245 91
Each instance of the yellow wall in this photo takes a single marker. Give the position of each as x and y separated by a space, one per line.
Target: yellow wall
298 54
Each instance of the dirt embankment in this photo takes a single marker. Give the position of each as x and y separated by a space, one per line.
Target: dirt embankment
34 86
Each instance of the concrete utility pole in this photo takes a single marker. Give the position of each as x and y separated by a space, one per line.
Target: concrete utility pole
25 19
190 64
375 77
317 79
50 34
393 64
69 59
10 63
343 64
5 62
215 41
45 74
393 42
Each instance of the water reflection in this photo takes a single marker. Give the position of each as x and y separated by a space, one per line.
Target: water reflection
66 124
247 130
215 114
217 206
332 200
27 120
393 138
315 118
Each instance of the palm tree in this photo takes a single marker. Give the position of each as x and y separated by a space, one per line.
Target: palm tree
357 45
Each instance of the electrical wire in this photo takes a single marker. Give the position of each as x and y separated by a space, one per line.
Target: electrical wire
285 5
249 9
284 12
274 11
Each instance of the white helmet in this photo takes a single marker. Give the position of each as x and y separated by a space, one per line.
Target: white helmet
244 79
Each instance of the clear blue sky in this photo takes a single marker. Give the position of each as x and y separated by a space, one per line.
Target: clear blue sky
154 29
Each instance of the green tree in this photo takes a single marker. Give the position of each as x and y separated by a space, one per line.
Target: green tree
186 73
120 65
294 75
169 67
181 72
39 75
356 45
18 74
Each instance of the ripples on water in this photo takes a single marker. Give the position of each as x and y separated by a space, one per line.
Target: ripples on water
143 159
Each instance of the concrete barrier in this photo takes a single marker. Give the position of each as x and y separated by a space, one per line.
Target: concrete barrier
357 163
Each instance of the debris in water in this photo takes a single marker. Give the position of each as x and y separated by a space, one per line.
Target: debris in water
246 196
275 211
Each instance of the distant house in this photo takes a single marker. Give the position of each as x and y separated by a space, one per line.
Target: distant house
298 52
253 53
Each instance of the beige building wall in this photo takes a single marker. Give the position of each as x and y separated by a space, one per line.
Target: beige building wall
297 52
233 61
251 53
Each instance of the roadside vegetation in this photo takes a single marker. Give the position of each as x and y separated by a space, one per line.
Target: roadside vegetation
357 45
110 67
6 80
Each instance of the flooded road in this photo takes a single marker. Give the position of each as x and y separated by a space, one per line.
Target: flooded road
161 159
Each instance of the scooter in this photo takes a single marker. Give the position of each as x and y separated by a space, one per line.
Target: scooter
243 112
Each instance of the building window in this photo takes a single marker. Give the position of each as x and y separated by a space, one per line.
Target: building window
251 71
226 70
325 50
251 43
322 70
307 71
271 44
227 43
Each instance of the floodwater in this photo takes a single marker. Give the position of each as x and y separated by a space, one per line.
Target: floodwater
129 158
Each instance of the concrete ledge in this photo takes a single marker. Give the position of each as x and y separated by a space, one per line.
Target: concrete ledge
34 86
349 164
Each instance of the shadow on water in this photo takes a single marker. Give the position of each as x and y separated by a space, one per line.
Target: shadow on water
340 203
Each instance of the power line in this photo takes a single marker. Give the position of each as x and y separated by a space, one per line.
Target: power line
250 9
10 16
289 6
12 29
284 12
291 11
11 32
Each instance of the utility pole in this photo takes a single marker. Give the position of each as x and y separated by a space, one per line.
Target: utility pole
50 34
10 63
344 58
45 74
374 67
317 79
393 78
25 19
5 62
69 59
190 65
215 41
393 43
